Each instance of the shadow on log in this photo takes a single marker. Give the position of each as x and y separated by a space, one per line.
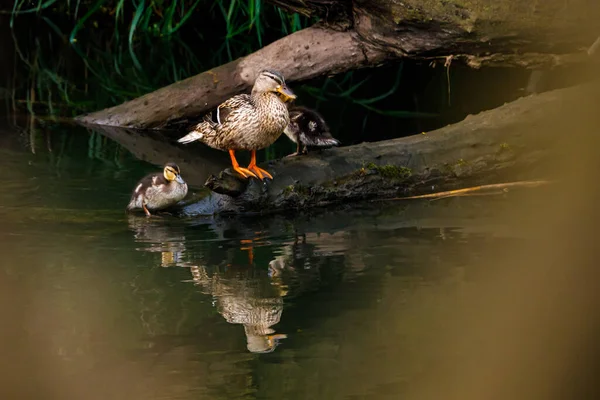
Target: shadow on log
197 162
520 140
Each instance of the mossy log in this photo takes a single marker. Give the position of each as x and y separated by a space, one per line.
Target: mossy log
520 140
366 33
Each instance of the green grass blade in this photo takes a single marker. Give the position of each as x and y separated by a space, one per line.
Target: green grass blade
353 88
386 94
138 14
184 18
257 22
400 113
283 19
81 21
53 27
168 19
119 10
41 6
77 8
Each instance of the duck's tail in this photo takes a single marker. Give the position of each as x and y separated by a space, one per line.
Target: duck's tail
131 206
200 131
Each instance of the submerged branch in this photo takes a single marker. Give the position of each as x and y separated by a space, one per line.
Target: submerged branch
469 190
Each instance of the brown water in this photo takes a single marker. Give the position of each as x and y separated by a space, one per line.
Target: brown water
334 304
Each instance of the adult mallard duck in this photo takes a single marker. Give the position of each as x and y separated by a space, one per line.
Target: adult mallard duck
159 191
308 128
247 122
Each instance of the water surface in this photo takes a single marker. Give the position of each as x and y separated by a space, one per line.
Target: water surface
331 304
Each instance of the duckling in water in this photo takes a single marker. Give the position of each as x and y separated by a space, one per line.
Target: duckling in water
159 191
308 128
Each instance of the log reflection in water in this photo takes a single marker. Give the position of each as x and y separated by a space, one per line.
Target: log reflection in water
168 240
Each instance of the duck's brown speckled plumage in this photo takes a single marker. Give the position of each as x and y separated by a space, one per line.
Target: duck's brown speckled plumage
244 122
247 122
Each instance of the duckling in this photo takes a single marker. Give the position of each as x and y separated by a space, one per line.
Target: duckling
247 122
156 192
308 128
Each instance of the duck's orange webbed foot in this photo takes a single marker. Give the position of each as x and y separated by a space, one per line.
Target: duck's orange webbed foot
245 172
255 168
262 174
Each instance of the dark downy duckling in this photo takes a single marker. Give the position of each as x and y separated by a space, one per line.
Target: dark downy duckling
308 128
159 191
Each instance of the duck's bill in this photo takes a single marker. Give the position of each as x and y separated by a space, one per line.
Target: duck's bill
286 93
179 179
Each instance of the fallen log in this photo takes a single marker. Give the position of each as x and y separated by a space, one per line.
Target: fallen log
303 55
367 33
521 140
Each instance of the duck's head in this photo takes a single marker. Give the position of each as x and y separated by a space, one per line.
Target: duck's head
272 81
172 173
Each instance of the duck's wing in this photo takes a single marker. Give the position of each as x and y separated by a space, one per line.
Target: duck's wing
154 179
207 130
323 139
295 114
144 187
228 110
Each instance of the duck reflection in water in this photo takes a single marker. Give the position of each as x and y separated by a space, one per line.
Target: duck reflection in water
246 290
245 296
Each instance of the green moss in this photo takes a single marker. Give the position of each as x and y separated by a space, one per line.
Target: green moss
447 168
302 190
455 168
299 189
389 171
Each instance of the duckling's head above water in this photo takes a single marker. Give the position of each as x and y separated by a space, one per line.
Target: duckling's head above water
269 80
172 173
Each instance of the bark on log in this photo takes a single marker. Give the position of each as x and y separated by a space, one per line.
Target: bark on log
520 140
493 32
